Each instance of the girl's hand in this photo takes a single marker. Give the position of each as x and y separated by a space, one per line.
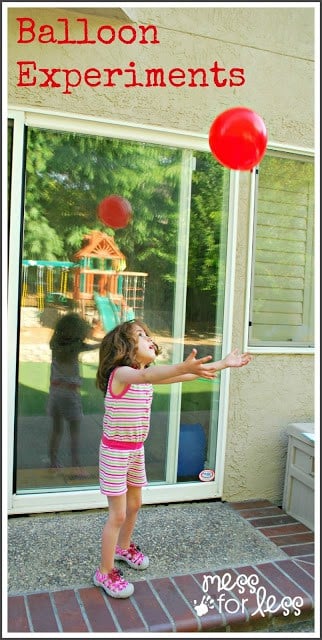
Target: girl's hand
200 367
236 359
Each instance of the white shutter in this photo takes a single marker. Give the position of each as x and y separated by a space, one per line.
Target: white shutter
282 279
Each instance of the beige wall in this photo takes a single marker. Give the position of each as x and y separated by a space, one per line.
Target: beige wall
275 47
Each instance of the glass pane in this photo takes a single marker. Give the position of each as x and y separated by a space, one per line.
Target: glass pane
73 262
204 314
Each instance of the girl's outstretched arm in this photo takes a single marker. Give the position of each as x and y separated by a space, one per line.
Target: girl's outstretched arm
162 373
190 369
233 359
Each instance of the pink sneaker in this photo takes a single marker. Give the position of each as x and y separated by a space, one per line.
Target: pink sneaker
133 556
113 583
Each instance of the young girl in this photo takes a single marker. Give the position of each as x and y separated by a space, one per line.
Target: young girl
64 400
125 377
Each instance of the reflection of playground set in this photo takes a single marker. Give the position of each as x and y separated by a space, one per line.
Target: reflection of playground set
96 283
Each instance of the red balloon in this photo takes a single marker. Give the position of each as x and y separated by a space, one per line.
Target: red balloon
115 211
238 138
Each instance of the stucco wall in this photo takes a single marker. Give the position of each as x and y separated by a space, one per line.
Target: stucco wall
275 48
274 391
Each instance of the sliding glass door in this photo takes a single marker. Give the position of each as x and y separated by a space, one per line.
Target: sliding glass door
166 266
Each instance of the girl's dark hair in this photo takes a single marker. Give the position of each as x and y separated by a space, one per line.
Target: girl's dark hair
118 348
69 334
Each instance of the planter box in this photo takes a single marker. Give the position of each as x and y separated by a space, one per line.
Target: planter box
298 497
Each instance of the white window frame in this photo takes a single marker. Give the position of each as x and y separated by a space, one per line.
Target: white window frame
286 349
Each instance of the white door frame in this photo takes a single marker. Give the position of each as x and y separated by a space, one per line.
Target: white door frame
34 501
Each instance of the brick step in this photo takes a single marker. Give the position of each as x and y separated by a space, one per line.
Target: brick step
169 604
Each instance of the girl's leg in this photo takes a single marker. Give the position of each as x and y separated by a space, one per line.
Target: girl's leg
55 439
108 576
133 505
111 530
126 549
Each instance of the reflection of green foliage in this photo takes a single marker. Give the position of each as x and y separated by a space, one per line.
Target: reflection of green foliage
206 220
68 174
40 238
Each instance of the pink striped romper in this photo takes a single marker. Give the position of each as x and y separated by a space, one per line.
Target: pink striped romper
126 425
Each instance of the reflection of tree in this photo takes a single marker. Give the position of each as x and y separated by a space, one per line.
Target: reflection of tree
41 239
207 211
67 175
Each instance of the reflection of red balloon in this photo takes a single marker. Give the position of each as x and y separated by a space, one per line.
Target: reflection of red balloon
238 138
115 211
